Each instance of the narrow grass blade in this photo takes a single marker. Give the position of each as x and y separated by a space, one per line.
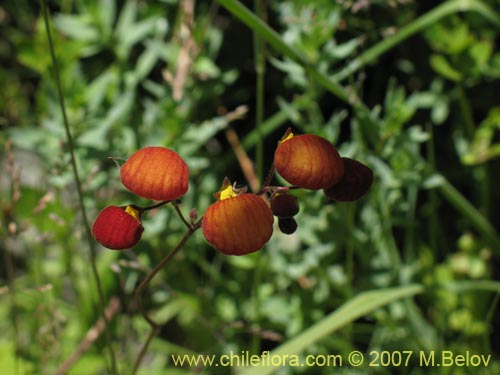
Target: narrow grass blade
473 285
355 308
482 225
424 21
274 40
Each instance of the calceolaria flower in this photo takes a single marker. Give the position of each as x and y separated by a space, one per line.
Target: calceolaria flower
155 173
238 223
118 228
354 184
308 161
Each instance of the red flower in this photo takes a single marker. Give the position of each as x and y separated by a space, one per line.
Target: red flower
238 223
308 161
118 228
356 182
156 173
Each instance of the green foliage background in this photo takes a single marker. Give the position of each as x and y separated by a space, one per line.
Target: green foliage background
408 87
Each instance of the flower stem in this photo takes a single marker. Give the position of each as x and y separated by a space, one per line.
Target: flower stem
71 147
142 209
260 70
138 292
181 216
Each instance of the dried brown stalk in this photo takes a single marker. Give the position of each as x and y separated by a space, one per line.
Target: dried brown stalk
92 335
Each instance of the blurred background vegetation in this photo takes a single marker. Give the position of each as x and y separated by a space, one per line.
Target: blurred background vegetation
408 87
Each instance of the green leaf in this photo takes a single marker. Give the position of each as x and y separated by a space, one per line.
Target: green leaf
472 214
481 52
279 44
196 136
134 34
440 111
77 27
184 306
107 14
97 136
443 67
148 59
98 88
206 68
475 285
12 364
291 112
341 51
126 18
355 308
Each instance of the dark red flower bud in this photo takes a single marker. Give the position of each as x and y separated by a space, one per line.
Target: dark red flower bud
284 205
156 173
308 161
118 228
356 182
238 223
287 225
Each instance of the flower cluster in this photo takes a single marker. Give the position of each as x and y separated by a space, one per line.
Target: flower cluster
311 162
239 222
152 172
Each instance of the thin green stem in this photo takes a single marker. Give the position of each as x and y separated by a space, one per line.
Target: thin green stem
154 271
466 112
274 39
480 172
144 349
348 212
489 320
144 284
257 276
262 29
409 245
424 21
274 122
260 66
267 182
483 183
482 225
180 214
9 275
191 228
266 128
356 307
260 70
152 207
69 139
433 223
392 247
8 261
